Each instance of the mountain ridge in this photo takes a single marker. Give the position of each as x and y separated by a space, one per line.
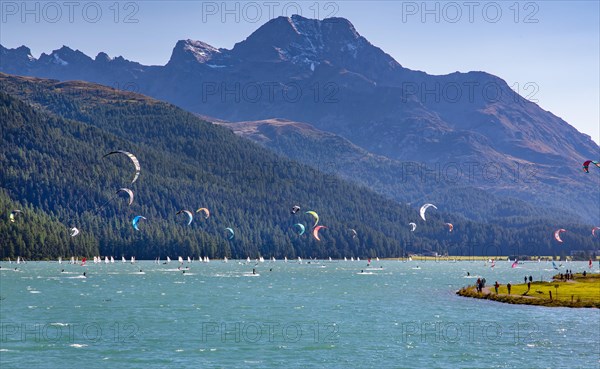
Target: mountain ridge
328 75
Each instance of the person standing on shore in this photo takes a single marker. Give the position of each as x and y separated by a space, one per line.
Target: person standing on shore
508 286
496 285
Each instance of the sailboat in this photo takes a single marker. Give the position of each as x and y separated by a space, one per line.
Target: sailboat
132 259
112 260
106 260
225 259
285 259
60 260
168 259
180 259
189 260
123 259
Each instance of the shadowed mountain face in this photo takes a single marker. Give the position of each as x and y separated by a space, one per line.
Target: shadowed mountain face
467 128
405 182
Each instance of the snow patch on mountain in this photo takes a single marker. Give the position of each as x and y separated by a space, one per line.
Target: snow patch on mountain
58 60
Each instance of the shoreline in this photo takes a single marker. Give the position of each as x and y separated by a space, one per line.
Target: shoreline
540 293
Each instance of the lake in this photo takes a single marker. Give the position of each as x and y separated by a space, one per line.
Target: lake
322 314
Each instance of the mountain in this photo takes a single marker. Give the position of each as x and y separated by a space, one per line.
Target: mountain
333 154
471 128
54 136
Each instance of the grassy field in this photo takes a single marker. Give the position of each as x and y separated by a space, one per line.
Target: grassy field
578 292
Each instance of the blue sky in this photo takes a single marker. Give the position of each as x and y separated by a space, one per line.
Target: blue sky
549 51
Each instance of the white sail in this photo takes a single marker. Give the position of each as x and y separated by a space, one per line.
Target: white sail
189 260
132 259
168 259
112 260
285 259
60 260
123 259
106 260
180 259
225 259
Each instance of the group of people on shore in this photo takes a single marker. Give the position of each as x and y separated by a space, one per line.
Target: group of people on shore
480 284
568 274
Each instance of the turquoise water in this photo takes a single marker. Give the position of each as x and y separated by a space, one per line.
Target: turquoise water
317 315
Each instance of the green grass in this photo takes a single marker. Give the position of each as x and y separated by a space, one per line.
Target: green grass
579 292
